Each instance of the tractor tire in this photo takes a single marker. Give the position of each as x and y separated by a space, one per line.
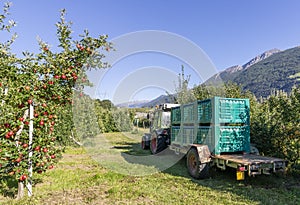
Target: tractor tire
157 144
195 168
144 145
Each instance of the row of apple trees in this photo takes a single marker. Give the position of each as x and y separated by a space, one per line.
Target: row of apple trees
111 118
275 128
44 82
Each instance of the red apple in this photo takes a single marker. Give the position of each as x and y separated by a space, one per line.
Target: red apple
37 148
23 177
10 133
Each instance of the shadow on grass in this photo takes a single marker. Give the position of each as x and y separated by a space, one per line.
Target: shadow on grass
9 186
261 188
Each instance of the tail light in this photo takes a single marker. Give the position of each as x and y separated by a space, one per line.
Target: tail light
241 169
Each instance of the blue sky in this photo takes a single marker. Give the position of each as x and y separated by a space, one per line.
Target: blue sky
230 32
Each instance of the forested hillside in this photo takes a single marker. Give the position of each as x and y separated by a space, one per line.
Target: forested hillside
278 71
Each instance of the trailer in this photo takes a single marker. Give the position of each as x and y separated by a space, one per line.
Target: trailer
214 133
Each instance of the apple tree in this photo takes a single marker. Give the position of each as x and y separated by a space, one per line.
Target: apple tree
36 93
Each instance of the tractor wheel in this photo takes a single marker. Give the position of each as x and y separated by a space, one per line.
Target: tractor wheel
157 144
153 145
143 143
195 168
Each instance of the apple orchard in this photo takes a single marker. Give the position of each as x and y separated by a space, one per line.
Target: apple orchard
36 98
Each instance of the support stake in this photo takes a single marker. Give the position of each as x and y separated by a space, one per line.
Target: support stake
29 183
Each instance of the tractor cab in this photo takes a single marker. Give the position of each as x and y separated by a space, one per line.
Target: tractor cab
160 123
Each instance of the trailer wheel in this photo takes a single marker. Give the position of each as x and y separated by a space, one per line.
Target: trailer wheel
195 168
157 144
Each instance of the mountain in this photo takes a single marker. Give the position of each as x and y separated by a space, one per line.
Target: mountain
230 73
134 104
146 103
272 70
160 100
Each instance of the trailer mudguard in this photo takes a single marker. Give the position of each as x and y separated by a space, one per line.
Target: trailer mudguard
203 152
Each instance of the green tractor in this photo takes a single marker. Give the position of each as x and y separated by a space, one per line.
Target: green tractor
159 136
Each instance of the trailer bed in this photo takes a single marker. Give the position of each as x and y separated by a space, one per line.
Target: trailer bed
249 163
248 159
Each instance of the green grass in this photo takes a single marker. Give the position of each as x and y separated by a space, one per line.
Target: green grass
78 179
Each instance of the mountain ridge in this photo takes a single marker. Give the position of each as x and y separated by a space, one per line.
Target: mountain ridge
229 72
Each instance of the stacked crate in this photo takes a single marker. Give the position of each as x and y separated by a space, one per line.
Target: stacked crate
221 123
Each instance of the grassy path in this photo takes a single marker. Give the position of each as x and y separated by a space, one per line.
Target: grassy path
78 179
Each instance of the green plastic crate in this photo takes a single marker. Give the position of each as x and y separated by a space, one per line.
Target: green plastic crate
188 113
220 139
219 110
176 115
214 111
232 110
175 134
224 139
183 135
205 112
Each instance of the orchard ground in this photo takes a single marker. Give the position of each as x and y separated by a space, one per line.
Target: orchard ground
78 179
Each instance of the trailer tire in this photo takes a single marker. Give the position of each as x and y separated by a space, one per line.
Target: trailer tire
196 169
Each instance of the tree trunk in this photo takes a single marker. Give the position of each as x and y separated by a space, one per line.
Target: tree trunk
20 190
